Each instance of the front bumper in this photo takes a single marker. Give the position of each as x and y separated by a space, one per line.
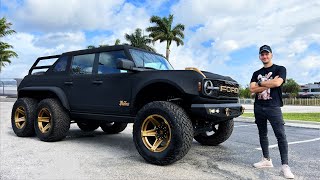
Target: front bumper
217 112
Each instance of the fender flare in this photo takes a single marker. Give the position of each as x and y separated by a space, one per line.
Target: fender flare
57 91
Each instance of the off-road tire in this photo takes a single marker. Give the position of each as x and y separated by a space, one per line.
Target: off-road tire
60 121
29 105
223 133
113 128
88 126
181 132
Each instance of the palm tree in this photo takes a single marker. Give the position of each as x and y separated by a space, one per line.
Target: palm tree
163 31
136 39
117 42
5 53
91 47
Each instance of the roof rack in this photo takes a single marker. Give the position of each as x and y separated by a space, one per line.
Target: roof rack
34 66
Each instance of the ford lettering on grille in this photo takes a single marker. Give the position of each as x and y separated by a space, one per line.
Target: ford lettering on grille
229 89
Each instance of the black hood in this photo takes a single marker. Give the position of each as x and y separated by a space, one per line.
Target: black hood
210 75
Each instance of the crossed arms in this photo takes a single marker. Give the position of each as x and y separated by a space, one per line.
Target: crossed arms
276 82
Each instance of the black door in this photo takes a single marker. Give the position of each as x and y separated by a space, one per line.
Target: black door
79 86
112 86
97 86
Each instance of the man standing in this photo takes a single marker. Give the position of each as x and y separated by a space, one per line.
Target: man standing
266 83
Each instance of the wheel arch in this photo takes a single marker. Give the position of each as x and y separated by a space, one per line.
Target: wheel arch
156 91
40 93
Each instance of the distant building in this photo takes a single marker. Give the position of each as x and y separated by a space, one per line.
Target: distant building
310 90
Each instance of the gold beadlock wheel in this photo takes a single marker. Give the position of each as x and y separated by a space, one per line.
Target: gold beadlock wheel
44 120
20 117
156 133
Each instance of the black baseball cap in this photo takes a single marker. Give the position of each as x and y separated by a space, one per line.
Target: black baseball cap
265 48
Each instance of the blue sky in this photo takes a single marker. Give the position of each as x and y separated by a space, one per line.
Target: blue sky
220 36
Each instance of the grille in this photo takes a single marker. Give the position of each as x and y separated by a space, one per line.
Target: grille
218 93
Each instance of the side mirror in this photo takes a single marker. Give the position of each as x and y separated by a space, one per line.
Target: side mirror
124 64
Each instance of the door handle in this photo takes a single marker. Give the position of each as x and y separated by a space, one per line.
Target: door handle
97 82
68 83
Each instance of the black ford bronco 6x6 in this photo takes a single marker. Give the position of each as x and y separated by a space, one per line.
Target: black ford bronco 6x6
109 87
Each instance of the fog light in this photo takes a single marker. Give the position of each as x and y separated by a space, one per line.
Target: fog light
227 111
217 110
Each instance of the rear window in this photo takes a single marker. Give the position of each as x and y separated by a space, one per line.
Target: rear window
61 65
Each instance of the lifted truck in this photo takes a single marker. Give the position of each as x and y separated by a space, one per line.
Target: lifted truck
109 87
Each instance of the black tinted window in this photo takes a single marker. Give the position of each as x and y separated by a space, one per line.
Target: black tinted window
82 64
149 60
61 64
107 62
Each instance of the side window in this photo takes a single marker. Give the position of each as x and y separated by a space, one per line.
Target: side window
107 62
61 65
82 64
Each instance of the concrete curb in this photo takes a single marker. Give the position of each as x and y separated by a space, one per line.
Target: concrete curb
291 123
7 99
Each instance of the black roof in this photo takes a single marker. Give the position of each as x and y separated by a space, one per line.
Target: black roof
106 48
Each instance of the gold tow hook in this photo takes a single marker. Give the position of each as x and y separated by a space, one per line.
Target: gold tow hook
227 110
242 109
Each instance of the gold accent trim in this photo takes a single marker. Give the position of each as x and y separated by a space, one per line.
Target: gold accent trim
229 89
124 103
242 109
20 117
44 120
156 133
227 111
195 69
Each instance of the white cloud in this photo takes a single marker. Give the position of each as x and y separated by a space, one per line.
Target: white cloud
73 15
290 27
49 15
28 52
60 38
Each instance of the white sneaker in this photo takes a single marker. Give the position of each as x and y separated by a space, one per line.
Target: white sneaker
285 169
264 163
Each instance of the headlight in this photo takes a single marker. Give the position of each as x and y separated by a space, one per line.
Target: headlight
208 87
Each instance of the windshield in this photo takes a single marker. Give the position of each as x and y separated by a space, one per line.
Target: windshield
149 60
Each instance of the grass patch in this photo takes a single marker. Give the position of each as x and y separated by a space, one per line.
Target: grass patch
315 117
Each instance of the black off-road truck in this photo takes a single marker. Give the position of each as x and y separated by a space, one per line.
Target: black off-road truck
109 87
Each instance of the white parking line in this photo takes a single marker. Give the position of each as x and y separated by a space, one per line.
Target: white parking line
245 125
297 142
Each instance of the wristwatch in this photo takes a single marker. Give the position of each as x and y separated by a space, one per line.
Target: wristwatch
259 83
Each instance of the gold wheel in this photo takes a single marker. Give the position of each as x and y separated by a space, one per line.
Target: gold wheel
156 133
20 117
44 120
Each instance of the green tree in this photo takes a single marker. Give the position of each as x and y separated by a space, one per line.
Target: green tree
117 42
91 47
136 39
291 87
164 31
245 92
5 49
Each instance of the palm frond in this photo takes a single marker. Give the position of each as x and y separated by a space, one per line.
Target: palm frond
91 47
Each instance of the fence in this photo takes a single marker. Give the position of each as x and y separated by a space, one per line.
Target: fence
8 87
290 101
302 102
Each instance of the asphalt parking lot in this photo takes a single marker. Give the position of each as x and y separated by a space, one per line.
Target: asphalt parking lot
96 155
